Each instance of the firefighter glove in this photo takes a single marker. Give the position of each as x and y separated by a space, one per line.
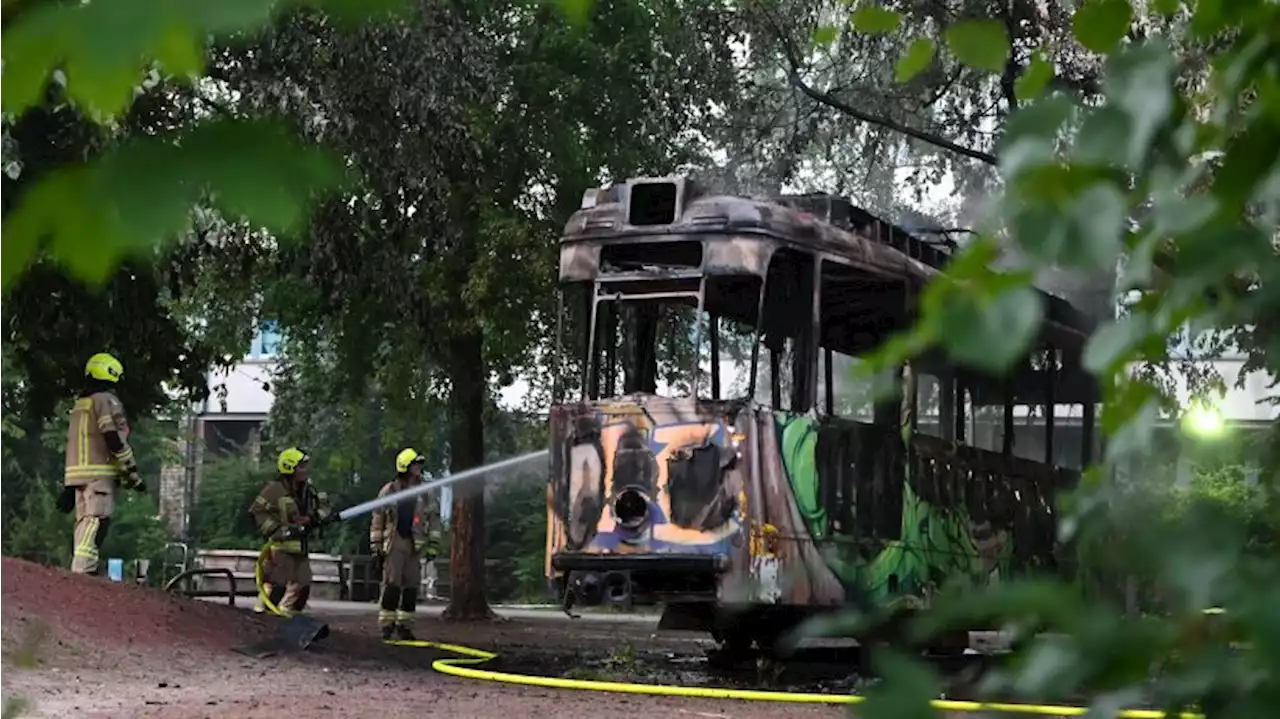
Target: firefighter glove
292 531
133 481
376 561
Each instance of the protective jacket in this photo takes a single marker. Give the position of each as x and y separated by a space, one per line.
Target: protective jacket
315 504
411 521
275 509
97 440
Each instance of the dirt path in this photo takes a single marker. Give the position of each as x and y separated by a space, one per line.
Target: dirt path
78 647
338 679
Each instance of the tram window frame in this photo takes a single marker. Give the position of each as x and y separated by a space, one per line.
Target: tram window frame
789 297
835 277
733 300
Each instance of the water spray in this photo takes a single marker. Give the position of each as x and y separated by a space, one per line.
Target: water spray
395 497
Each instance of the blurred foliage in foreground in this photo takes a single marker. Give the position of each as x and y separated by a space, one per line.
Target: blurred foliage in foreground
1178 176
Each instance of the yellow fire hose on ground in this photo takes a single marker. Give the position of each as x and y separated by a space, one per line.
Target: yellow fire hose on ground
465 666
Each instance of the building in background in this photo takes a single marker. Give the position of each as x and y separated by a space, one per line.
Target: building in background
230 422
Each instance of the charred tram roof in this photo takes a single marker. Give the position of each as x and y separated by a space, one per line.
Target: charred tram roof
826 224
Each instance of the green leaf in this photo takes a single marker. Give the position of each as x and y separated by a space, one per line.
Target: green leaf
231 16
31 50
1100 214
576 12
354 12
1104 136
1140 82
1250 157
980 44
1100 24
876 20
1033 79
1136 433
1112 343
103 46
1030 136
181 54
990 333
915 60
824 36
141 194
905 691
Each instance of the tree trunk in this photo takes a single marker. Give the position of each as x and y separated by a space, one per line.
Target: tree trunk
467 600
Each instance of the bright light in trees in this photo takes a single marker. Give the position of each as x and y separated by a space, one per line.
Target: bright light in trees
1203 420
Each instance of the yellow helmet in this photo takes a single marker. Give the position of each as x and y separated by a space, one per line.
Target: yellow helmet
406 458
290 459
104 367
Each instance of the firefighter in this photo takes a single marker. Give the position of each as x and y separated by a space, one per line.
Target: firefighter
99 460
399 535
281 511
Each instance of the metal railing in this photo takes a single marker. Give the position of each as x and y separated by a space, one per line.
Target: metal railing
188 574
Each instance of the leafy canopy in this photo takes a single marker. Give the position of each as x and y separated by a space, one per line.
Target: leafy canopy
1182 180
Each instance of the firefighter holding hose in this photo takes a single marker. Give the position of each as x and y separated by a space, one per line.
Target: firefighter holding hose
398 535
99 460
284 511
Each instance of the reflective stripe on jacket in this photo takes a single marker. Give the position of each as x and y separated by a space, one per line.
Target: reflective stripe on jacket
88 457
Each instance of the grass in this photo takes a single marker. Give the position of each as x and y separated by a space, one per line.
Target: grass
15 707
26 655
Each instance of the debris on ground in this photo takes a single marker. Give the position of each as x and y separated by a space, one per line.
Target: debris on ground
94 612
87 647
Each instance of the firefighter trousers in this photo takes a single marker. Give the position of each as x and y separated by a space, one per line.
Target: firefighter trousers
288 581
401 577
95 503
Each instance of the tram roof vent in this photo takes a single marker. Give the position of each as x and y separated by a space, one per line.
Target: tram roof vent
655 201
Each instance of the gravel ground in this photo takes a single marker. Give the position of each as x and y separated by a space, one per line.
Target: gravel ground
82 647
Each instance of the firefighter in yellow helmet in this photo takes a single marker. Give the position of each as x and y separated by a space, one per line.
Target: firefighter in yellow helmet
284 511
399 535
99 460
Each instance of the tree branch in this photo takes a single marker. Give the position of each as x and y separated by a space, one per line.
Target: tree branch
793 60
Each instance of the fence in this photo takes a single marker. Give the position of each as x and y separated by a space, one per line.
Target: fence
345 578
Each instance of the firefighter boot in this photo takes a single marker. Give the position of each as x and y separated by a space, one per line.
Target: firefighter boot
387 610
404 614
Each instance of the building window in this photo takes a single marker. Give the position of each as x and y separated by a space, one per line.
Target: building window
266 342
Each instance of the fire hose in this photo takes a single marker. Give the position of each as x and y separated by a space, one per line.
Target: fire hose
467 660
466 663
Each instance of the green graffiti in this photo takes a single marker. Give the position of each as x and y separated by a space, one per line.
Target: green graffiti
936 548
798 440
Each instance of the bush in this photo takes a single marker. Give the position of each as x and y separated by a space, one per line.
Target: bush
1159 507
39 532
228 486
516 526
43 534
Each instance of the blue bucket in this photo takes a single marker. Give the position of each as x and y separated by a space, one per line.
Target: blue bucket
115 569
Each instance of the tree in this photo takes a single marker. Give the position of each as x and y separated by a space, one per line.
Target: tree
476 128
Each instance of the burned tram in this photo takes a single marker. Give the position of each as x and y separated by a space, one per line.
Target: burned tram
710 451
